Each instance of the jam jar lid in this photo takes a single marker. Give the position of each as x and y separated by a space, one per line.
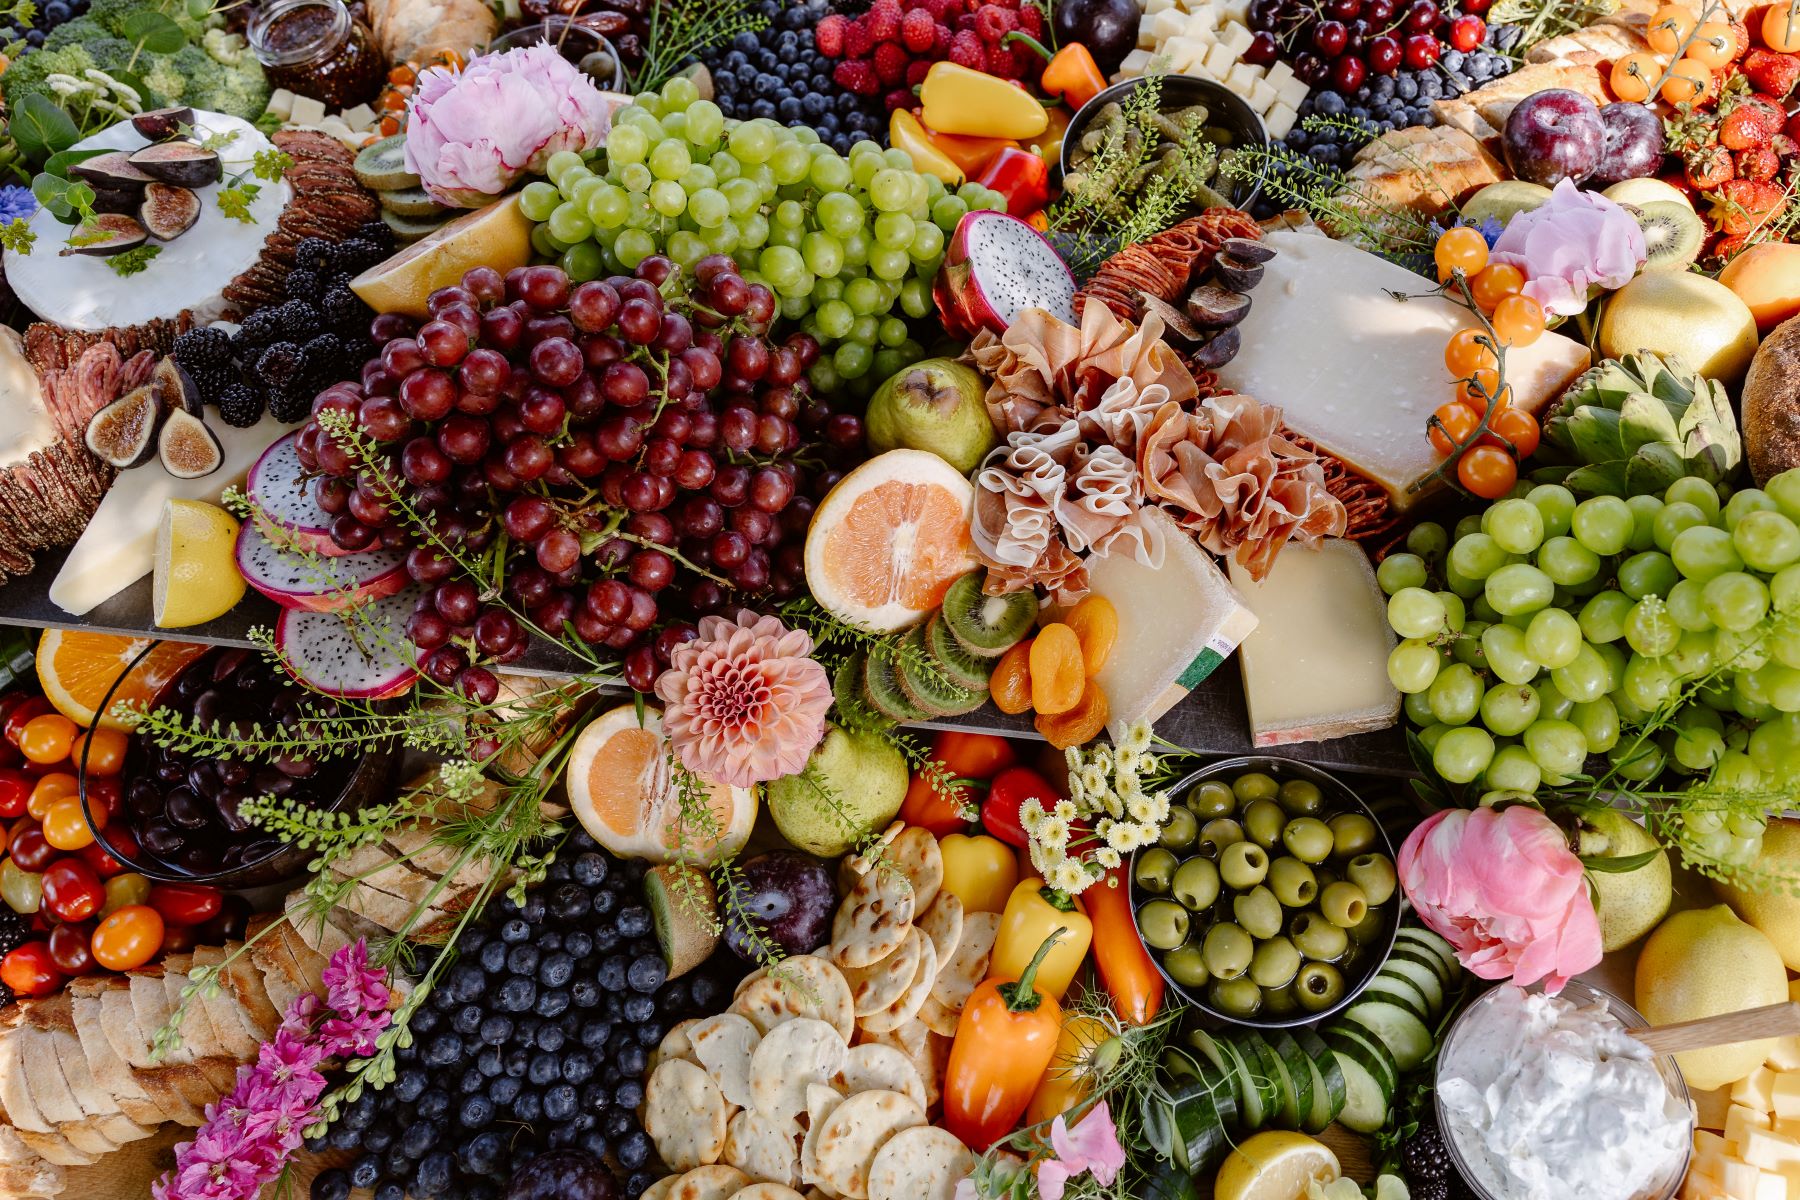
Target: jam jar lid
276 43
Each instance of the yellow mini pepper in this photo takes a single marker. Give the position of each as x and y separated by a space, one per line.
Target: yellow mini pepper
958 100
1033 912
979 871
1069 1080
905 133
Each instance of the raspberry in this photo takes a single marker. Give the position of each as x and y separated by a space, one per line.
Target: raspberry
828 35
1757 163
942 10
857 42
1026 62
890 64
1000 63
857 76
1009 5
993 23
941 37
965 21
917 30
884 20
1031 20
965 51
916 71
898 98
1770 73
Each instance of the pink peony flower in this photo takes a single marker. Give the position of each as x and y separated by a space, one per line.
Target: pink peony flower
1502 885
743 702
472 133
1091 1146
1574 242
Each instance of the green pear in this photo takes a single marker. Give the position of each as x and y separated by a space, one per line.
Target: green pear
1630 903
853 784
935 405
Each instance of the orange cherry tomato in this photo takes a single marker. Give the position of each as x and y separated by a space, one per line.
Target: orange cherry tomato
1633 74
1494 283
1487 471
47 739
49 790
1515 426
1518 321
1468 351
1460 249
66 826
1669 27
1688 79
1458 420
1475 391
128 938
22 714
105 749
1712 45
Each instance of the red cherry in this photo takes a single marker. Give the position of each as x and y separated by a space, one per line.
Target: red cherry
1329 37
1475 6
1263 49
1384 55
1467 31
1421 51
1423 16
1347 74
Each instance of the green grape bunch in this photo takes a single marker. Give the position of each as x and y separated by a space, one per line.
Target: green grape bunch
1661 633
848 245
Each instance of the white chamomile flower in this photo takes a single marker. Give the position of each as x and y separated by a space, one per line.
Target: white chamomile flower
1068 876
1138 736
1054 833
1094 780
1159 808
1139 808
1102 758
1107 857
1127 761
1065 810
1031 815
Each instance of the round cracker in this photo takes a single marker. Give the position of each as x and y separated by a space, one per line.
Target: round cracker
723 1045
853 1134
719 1181
768 1191
969 965
915 854
675 1044
924 1163
875 987
873 1066
660 1189
852 866
684 1114
803 985
906 1008
762 1146
821 1102
937 1018
943 923
794 1055
873 919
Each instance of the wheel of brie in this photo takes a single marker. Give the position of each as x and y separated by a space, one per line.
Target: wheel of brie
190 273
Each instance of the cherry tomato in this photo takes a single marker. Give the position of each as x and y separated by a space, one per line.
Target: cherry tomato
178 939
1458 421
66 825
30 850
186 903
1474 392
71 947
1467 352
1515 426
95 855
46 739
10 701
106 795
1487 471
22 890
128 938
23 714
9 754
1462 248
1494 283
15 792
72 890
1518 320
30 971
49 790
228 925
124 889
105 751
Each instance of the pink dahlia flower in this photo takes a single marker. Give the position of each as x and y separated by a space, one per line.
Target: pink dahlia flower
1502 885
743 702
474 132
1569 245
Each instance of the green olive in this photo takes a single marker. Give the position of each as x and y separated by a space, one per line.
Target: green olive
1181 830
1211 799
1351 834
1344 905
1219 833
1155 868
1258 911
1228 950
1274 963
1163 923
1373 924
1302 797
1318 986
1263 820
1324 876
1293 882
1197 884
1254 786
1318 938
1374 874
1280 1002
1243 865
1307 839
1235 997
1186 965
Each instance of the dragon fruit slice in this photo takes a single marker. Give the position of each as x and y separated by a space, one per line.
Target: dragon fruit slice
279 485
996 267
339 658
291 582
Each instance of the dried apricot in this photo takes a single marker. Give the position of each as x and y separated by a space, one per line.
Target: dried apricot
1096 622
1057 671
1010 684
1080 724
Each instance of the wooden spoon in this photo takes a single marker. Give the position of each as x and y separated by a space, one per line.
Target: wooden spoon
1750 1024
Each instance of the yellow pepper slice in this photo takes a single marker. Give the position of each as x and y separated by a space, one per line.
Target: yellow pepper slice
979 870
905 133
1033 912
958 100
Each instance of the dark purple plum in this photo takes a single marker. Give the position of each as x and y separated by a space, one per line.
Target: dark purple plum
1634 144
791 894
1553 135
563 1175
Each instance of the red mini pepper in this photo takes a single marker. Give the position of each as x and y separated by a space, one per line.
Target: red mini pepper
1022 177
970 756
1010 789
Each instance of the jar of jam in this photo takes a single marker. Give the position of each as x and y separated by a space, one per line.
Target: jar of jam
317 48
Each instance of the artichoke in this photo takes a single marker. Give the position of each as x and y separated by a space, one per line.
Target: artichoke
1634 425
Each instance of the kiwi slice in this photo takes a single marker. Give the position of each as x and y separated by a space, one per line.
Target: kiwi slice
987 626
884 692
847 687
381 166
687 937
928 689
957 664
408 230
1673 234
410 202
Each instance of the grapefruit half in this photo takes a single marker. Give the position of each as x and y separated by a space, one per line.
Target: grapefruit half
498 236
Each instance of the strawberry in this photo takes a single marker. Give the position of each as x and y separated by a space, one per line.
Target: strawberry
1679 181
890 64
1793 127
916 30
828 35
1728 248
1757 163
993 23
884 18
1784 146
1740 205
857 42
1709 167
1771 73
915 72
857 76
1740 37
965 51
1750 124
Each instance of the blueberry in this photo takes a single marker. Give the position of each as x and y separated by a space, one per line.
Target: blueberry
631 1061
515 931
544 1068
628 1095
555 970
419 1138
647 973
651 1033
476 1111
434 1104
424 1021
706 991
605 937
331 1185
365 1171
465 983
638 1008
342 1137
550 1037
552 1003
379 1139
617 1123
526 1035
595 1143
493 957
577 1068
472 1081
638 1182
467 1019
594 1034
611 975
1432 86
517 995
391 1190
528 1107
433 1175
495 1029
444 1049
560 1102
516 1062
490 1063
505 1090
634 1150
589 869
522 960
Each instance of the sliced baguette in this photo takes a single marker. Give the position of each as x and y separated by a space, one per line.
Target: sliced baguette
245 984
108 1067
15 1094
197 1032
229 1020
55 1148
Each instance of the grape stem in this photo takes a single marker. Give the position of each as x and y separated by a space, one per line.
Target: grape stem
648 544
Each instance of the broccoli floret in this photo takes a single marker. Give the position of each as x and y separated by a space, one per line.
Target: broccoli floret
228 48
26 76
77 30
193 77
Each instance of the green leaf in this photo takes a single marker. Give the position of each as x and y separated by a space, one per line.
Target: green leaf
58 164
199 9
154 32
52 191
1618 864
41 128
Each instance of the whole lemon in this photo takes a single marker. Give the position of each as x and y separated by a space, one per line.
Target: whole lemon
1703 962
1699 320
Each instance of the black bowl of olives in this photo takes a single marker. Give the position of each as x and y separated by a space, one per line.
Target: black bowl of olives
1270 899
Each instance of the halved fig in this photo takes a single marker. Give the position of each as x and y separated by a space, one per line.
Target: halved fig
1219 350
183 164
110 234
1178 326
161 124
1215 307
111 170
1237 274
168 211
117 200
1248 250
123 434
175 389
188 449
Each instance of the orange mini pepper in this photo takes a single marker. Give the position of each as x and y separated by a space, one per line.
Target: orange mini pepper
971 154
1005 1039
1070 72
1125 967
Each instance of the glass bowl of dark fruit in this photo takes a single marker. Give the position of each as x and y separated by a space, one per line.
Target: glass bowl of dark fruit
576 40
178 814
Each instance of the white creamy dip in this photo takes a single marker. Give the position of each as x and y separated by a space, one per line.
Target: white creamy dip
1546 1099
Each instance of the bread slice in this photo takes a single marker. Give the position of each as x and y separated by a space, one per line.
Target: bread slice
118 1021
15 1093
309 964
55 1148
110 1071
50 1092
150 1004
269 955
197 1031
1423 170
245 984
228 1018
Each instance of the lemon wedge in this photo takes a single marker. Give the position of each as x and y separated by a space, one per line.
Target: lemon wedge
1275 1165
196 577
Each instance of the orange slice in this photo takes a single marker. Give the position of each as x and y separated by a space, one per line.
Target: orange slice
623 792
76 668
498 236
889 540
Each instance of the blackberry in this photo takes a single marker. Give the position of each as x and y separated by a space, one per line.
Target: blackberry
312 254
257 329
322 359
357 254
1431 1189
302 284
341 305
279 365
212 381
240 405
6 996
1424 1156
291 405
15 931
297 320
374 231
203 348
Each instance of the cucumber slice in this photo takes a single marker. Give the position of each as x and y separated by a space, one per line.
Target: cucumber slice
1386 1070
1251 1110
1260 1073
1224 1094
1396 990
1420 970
1366 1099
1298 1070
1328 1080
1399 1029
1198 1143
1213 1050
1413 937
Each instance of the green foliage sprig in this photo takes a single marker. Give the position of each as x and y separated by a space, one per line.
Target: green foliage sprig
1540 20
684 29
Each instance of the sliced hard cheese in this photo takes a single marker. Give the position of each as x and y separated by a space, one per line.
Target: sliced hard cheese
1180 622
1363 382
1316 666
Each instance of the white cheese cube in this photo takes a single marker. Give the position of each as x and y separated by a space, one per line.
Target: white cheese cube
1708 1142
1770 1151
1261 97
360 117
1134 64
1710 1166
1699 1187
1237 37
1771 1186
1786 1055
1220 60
1755 1090
1279 74
1786 1095
1241 78
1739 1179
1166 24
281 103
1184 53
1152 7
1787 1129
1291 93
1279 120
1739 1121
1237 10
306 111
